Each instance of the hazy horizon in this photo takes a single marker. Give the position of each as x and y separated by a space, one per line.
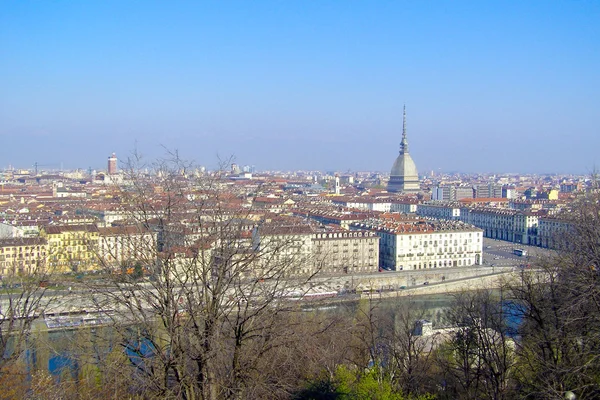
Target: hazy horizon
488 86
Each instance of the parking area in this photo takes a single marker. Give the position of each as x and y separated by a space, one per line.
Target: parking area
501 253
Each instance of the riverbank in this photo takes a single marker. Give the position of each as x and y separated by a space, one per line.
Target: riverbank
491 281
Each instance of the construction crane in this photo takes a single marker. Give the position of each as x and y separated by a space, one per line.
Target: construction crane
37 165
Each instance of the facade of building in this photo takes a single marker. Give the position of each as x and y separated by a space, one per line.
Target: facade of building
451 192
112 164
18 229
462 192
188 263
509 193
425 245
553 232
346 252
404 177
8 231
284 248
367 204
569 187
71 248
404 206
23 256
504 224
440 210
126 245
490 190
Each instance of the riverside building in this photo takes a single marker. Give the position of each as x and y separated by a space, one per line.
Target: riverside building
346 252
425 244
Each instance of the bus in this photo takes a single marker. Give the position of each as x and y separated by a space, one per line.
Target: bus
520 252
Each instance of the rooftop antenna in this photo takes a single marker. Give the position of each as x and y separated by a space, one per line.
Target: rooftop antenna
404 143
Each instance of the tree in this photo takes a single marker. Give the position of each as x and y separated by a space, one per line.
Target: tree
386 354
23 299
559 305
213 306
478 360
410 349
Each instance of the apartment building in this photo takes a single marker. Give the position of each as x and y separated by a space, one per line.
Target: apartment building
504 224
553 232
408 206
346 252
125 245
23 256
426 244
440 210
71 248
284 247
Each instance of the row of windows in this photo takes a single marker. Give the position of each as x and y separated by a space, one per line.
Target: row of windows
455 263
449 235
342 235
355 244
11 263
21 255
19 248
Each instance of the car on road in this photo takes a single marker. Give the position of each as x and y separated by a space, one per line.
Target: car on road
426 283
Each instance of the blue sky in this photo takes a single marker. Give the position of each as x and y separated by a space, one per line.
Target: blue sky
490 86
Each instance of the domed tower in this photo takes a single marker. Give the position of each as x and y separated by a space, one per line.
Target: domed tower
404 177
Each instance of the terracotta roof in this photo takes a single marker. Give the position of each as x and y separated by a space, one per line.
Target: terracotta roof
53 229
123 230
285 230
36 241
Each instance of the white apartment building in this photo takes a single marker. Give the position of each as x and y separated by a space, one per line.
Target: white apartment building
19 229
122 245
426 244
504 224
366 204
553 232
440 210
404 206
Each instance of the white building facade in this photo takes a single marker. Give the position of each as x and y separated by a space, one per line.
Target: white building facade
426 245
440 210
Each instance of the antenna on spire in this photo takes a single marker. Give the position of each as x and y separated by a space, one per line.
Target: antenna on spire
404 143
404 122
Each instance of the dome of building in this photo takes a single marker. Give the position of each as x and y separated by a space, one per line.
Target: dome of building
404 177
404 166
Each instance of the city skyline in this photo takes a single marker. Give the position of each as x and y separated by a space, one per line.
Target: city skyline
297 86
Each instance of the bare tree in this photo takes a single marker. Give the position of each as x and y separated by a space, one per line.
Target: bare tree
560 307
214 304
22 301
410 349
479 359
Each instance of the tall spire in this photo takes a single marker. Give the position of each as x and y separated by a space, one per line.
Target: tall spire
404 143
